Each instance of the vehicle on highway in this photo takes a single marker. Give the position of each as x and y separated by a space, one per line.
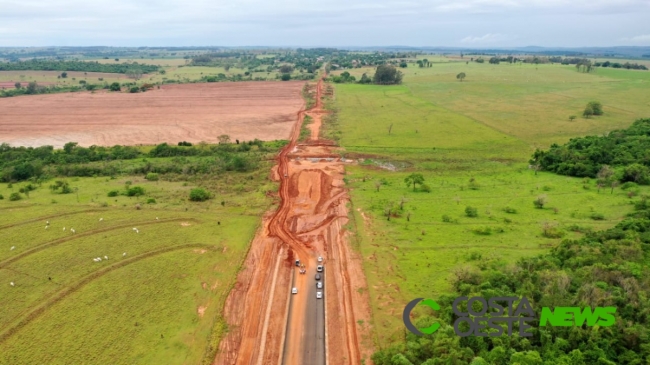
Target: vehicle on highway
319 285
319 295
297 262
319 268
320 259
294 291
317 276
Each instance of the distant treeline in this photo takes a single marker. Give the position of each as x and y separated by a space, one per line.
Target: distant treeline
58 65
23 163
626 151
33 88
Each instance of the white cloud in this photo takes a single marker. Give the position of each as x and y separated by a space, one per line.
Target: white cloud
488 38
639 38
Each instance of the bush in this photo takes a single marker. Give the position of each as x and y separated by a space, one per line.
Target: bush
199 195
471 212
540 202
285 77
135 191
152 176
510 210
629 185
15 196
113 193
426 188
446 218
151 201
115 87
2 197
597 216
483 231
134 89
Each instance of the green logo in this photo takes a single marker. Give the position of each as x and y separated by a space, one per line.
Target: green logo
573 316
406 316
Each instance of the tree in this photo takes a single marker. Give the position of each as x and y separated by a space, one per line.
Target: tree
223 139
572 117
134 73
18 85
414 179
605 175
32 88
285 77
403 64
460 76
365 79
495 60
596 106
64 75
115 87
387 75
69 147
286 69
588 112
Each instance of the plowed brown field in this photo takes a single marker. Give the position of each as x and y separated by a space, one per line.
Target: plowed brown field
173 113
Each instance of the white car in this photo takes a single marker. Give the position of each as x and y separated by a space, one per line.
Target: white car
319 268
319 285
319 295
294 291
320 259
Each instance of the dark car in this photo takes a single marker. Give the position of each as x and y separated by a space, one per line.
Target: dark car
317 276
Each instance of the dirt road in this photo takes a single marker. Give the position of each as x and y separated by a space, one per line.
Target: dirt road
291 329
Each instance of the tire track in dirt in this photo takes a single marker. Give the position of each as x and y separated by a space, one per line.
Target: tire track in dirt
43 307
58 241
46 217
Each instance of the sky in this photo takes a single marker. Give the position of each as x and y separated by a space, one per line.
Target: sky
332 23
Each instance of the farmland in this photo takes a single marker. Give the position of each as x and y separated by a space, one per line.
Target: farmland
471 141
167 265
171 113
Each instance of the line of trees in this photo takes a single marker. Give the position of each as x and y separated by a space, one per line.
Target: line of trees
23 163
85 66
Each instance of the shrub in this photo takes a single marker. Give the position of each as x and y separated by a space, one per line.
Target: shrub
540 202
115 87
483 231
15 196
135 191
199 195
151 201
510 210
113 193
446 218
134 89
152 176
1 197
426 188
597 216
628 185
285 77
471 212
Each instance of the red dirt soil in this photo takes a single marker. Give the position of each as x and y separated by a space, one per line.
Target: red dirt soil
308 223
173 113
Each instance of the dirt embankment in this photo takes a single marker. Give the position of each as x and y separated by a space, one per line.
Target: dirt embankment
173 113
308 223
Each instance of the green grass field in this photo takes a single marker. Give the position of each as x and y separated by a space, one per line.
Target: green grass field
485 129
160 303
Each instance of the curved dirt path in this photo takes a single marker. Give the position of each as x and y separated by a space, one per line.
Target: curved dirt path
267 325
